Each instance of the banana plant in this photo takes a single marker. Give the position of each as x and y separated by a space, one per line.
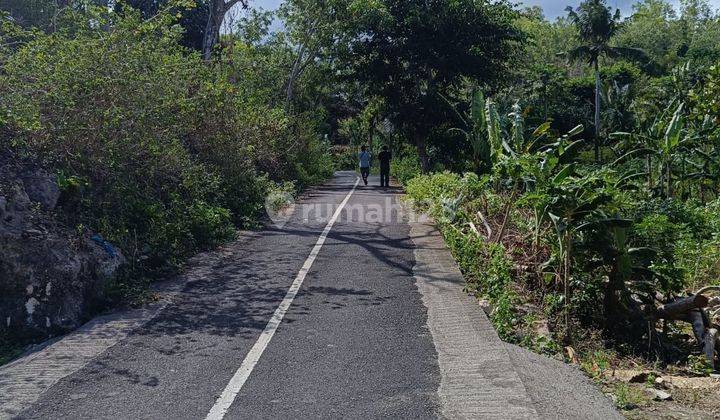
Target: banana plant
629 271
561 193
545 164
616 100
483 129
475 131
573 199
666 139
706 170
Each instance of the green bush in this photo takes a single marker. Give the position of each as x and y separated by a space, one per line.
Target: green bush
404 168
344 158
427 189
157 150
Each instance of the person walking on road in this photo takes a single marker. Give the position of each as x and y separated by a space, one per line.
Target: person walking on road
385 157
364 164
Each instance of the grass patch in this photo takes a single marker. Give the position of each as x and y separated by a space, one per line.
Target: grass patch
629 396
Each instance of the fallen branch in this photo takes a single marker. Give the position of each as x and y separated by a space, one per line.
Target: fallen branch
681 306
473 228
707 289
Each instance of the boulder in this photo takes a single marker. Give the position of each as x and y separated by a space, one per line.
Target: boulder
50 284
41 188
51 276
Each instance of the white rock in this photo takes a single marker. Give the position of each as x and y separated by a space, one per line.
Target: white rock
662 395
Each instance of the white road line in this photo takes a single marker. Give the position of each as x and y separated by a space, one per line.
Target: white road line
223 403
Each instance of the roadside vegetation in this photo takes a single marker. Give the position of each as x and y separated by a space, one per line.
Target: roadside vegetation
157 153
573 165
587 209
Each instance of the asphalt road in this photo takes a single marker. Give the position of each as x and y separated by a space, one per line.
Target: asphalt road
353 344
358 313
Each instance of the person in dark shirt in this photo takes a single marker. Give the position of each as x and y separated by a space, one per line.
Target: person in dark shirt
385 157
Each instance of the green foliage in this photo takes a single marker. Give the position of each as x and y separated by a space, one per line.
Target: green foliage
424 189
9 348
405 168
628 397
596 364
160 152
486 266
31 13
411 52
344 158
608 252
487 271
699 365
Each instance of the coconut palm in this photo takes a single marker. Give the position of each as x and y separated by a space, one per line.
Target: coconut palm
597 25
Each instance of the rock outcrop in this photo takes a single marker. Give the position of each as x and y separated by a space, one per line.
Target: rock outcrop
51 276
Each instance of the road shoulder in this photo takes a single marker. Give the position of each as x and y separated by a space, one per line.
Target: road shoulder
481 376
477 377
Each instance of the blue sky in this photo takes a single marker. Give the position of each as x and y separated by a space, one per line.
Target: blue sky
553 8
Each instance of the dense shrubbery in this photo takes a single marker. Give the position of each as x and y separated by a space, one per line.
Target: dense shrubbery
588 244
160 152
472 214
547 227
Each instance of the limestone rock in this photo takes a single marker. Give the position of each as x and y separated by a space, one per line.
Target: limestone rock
51 276
661 395
41 188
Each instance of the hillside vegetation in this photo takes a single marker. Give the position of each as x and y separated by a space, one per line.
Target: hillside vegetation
154 152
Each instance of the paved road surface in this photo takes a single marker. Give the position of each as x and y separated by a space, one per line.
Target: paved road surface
379 328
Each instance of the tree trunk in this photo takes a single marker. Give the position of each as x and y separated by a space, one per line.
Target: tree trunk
422 152
294 73
597 111
216 15
216 11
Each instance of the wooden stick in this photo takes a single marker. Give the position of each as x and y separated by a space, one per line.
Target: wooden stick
508 207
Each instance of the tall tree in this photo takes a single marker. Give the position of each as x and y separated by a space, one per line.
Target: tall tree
311 27
28 13
597 25
409 52
147 7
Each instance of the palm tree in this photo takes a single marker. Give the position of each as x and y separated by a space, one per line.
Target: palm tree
597 25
